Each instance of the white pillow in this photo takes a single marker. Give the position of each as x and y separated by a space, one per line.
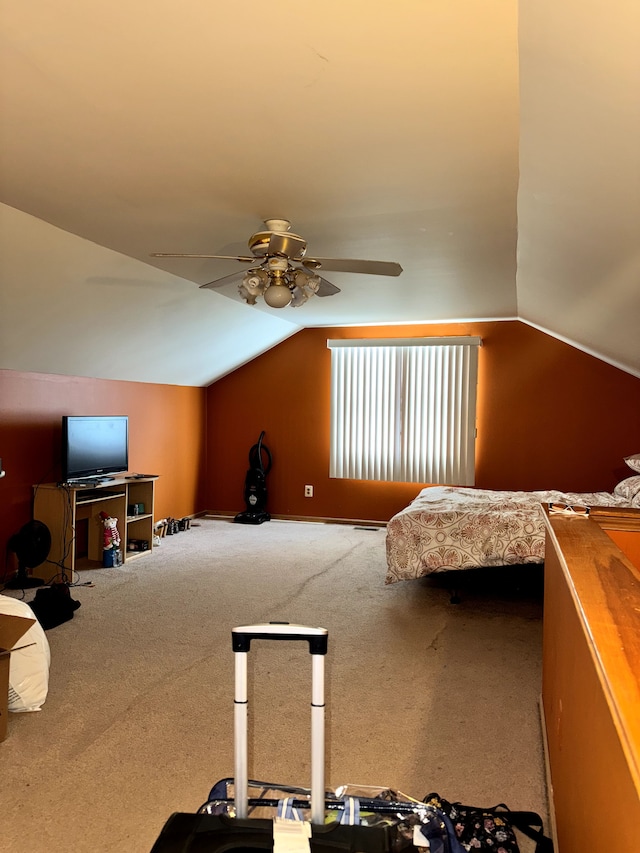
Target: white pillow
633 462
628 489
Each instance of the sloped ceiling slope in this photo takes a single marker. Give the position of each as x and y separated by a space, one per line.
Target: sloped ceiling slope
68 306
579 196
383 132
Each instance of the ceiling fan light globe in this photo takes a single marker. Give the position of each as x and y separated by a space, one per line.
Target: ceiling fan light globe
277 296
298 297
246 294
313 283
255 283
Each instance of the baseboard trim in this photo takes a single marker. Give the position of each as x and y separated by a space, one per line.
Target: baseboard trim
353 522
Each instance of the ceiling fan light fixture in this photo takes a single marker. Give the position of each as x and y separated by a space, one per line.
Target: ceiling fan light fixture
300 278
277 295
256 280
306 284
313 283
253 285
298 297
249 298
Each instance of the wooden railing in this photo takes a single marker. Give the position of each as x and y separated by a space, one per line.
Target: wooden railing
591 682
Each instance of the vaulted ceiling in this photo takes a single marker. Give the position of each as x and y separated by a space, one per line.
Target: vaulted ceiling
491 148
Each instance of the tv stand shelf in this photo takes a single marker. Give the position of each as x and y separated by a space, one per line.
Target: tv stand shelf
85 497
72 514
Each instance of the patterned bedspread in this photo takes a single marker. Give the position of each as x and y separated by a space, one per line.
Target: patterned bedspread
447 528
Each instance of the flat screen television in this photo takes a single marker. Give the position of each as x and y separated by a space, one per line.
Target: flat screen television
94 445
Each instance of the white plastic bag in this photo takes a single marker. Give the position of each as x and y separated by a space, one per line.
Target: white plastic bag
28 667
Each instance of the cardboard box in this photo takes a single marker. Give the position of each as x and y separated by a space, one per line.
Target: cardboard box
11 629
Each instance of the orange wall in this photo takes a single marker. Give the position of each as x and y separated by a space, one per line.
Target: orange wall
549 416
166 437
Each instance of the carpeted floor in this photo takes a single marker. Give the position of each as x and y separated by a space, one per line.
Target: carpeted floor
422 695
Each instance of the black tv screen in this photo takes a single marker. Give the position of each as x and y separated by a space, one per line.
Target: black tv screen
93 445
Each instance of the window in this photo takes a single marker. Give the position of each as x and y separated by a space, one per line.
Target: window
404 409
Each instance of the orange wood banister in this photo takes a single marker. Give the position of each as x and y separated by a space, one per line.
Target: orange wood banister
591 680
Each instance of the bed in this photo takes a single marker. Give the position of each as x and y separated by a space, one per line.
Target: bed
449 528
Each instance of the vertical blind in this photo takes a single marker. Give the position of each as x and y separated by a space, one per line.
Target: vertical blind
404 410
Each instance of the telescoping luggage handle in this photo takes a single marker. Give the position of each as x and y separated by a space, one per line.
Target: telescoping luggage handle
241 642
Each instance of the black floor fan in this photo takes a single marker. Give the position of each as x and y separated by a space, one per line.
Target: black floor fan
31 545
255 486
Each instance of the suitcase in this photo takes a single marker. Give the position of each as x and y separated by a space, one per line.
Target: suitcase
299 819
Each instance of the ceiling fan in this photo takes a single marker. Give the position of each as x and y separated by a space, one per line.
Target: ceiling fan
280 270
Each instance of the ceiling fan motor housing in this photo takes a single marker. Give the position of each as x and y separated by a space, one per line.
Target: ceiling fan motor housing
277 240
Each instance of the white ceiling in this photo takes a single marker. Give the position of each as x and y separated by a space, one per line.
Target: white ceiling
489 147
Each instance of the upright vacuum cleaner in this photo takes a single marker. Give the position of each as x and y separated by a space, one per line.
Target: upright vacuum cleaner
255 487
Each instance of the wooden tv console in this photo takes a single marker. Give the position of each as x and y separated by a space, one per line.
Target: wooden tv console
72 514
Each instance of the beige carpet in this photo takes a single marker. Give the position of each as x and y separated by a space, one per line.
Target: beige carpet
422 695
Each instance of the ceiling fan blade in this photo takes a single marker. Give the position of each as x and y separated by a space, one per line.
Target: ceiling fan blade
326 288
243 258
227 279
289 245
352 265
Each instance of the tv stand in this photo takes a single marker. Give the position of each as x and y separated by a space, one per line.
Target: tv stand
71 511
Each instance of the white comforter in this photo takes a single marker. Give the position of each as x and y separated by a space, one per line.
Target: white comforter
448 528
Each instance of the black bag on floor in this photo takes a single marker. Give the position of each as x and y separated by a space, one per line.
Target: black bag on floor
53 605
492 829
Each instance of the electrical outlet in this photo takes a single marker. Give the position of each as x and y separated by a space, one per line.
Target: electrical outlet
308 491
